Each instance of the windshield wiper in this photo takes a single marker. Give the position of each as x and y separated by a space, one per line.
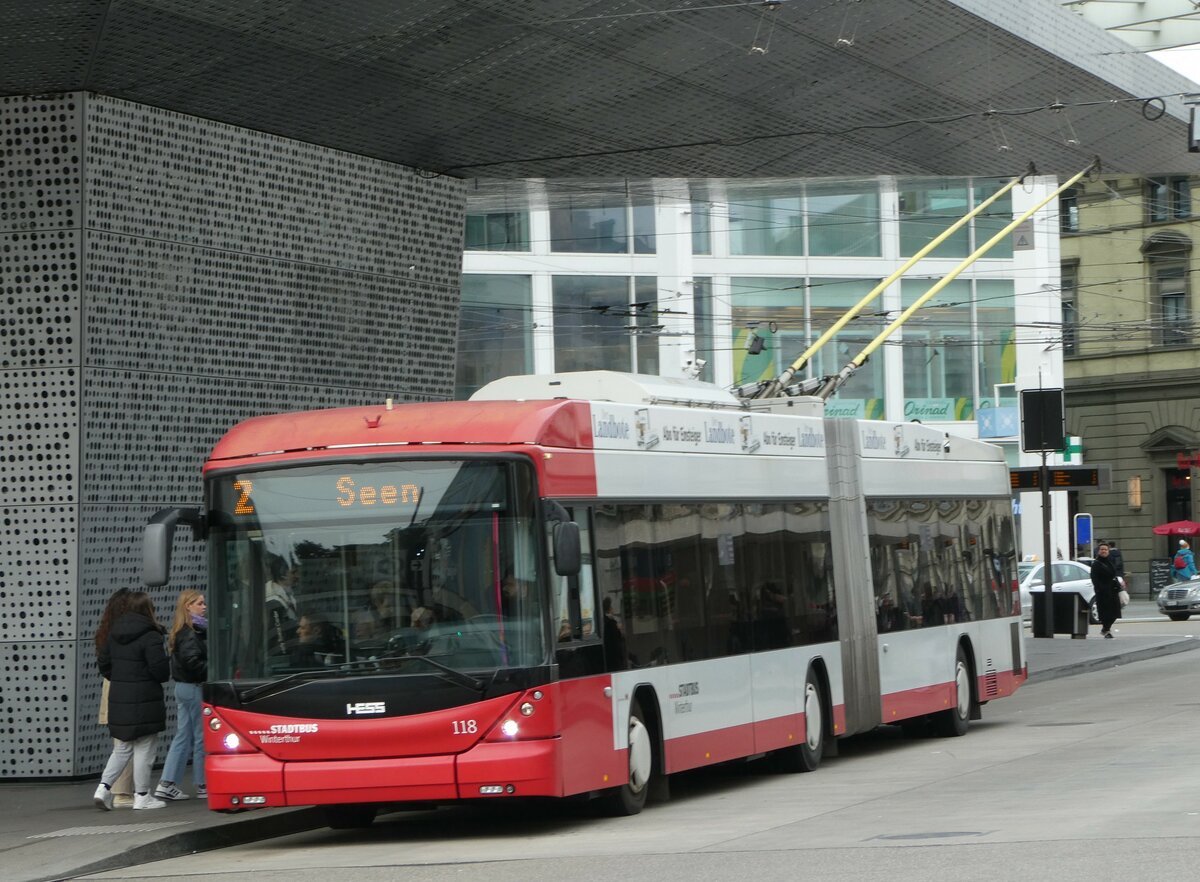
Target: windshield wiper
277 685
452 674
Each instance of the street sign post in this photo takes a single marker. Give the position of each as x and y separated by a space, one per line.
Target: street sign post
1083 533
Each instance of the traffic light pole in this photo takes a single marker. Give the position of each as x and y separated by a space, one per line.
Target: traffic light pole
1047 600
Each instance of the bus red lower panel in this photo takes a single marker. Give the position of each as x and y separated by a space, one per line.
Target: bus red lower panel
379 780
693 751
785 731
917 702
530 768
242 775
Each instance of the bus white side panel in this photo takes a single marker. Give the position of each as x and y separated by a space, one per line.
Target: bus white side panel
881 477
726 694
915 660
772 670
650 475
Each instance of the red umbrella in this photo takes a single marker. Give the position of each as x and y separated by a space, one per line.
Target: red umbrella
1178 528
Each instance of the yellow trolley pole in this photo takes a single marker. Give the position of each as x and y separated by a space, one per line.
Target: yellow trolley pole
773 388
835 382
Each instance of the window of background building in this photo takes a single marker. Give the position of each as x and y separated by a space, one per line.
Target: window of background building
1069 295
1168 198
701 228
995 329
1068 211
843 220
995 218
1170 284
596 225
498 231
938 351
772 309
771 226
598 327
702 320
495 330
927 208
1168 254
862 397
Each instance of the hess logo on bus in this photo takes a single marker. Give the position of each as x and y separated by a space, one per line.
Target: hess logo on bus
366 707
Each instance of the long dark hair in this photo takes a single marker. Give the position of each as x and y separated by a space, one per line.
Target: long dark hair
117 606
141 604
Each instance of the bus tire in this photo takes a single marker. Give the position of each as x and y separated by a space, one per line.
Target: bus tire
630 798
348 817
806 756
954 721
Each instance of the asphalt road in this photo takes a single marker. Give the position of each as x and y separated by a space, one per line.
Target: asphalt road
1090 777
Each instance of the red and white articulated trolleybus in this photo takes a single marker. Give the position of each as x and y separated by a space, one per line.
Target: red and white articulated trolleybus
582 583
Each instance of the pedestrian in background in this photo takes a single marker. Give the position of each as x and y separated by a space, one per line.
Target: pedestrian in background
1117 558
134 660
187 644
122 788
1108 590
1184 563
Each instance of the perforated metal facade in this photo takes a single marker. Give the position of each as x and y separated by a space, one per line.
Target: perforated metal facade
163 277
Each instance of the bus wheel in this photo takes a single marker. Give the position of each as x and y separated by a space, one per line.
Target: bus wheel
629 799
805 757
954 721
348 817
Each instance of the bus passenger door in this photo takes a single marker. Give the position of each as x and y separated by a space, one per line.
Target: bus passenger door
586 715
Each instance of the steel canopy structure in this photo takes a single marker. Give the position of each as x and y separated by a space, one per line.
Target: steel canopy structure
603 88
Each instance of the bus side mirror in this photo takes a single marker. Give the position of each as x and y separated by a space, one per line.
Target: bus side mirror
158 538
567 558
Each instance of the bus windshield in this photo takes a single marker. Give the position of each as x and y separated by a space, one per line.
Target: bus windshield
360 566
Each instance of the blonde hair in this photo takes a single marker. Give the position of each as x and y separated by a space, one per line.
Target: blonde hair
183 619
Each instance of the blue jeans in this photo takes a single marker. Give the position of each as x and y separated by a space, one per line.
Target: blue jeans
189 737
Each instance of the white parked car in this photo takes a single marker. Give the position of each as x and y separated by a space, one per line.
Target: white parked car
1068 575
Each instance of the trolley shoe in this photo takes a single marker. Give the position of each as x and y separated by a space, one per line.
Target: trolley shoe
103 798
146 801
169 791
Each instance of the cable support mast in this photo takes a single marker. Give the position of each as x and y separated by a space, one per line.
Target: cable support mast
831 384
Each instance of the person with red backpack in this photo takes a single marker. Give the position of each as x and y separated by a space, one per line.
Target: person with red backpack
1184 562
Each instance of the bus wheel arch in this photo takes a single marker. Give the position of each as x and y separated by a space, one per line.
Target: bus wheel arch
818 719
644 755
954 721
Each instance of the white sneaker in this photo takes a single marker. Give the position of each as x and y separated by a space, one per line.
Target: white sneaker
103 798
146 801
169 791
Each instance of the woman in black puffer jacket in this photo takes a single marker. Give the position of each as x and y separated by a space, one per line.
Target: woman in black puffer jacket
135 663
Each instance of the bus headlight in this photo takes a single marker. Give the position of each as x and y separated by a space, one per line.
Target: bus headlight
510 728
231 741
526 709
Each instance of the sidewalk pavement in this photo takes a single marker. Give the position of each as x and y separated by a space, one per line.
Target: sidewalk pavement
49 830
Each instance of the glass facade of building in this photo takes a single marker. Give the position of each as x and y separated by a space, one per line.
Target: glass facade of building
731 282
